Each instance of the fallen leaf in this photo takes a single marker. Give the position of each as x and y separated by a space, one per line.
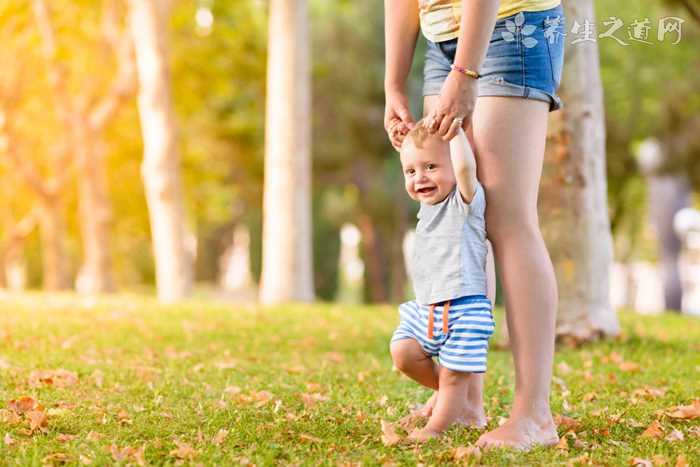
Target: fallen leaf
567 423
389 436
694 431
85 460
563 368
94 436
55 458
64 438
590 396
655 430
98 378
639 462
563 444
335 357
383 401
313 439
675 435
9 440
59 378
184 451
629 366
219 437
314 387
658 459
681 461
37 419
226 364
23 404
686 412
465 452
311 400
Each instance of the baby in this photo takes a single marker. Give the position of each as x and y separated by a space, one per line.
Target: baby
451 316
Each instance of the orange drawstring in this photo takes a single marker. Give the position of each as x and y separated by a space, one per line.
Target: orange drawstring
431 318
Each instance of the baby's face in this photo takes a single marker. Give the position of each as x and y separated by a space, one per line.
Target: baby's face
427 171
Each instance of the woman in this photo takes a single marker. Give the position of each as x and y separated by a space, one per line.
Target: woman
495 70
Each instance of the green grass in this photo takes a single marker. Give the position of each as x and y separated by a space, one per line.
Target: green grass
151 375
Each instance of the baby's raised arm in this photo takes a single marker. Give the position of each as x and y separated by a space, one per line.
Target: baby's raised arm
464 165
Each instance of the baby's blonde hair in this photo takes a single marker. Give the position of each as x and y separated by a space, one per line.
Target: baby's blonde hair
418 134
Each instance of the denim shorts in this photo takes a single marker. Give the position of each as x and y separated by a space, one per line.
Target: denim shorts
525 58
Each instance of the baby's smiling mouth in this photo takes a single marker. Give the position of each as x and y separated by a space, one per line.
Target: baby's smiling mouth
426 190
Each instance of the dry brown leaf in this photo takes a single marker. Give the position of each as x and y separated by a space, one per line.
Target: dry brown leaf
37 419
467 452
98 378
311 400
563 368
383 401
9 417
649 392
59 378
639 462
675 435
94 436
9 440
24 404
314 387
655 430
219 437
629 366
681 461
313 439
613 357
389 436
563 443
295 369
335 357
123 417
232 390
226 364
567 423
590 396
183 451
694 431
686 412
64 438
361 376
55 458
85 460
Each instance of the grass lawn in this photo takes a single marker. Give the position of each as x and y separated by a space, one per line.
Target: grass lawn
212 384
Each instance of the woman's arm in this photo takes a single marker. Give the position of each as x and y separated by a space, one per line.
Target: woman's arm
401 27
459 92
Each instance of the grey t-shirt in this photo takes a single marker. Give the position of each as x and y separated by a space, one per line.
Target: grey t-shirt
449 253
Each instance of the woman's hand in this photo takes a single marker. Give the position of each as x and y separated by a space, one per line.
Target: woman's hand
397 117
455 106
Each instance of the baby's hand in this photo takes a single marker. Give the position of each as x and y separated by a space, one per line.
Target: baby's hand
397 132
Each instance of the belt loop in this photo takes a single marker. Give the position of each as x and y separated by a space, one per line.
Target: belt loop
445 316
431 320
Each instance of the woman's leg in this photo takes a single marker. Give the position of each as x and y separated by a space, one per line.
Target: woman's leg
509 134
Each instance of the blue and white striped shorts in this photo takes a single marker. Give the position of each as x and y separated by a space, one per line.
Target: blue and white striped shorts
465 345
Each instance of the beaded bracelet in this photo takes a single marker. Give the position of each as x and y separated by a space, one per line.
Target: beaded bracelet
466 71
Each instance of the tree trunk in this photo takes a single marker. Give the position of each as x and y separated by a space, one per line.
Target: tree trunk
161 162
95 215
287 273
53 251
573 198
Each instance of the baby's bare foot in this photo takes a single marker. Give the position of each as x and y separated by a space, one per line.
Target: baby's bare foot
421 435
427 409
472 417
521 433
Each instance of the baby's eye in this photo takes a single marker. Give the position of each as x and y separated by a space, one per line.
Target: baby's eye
430 166
410 172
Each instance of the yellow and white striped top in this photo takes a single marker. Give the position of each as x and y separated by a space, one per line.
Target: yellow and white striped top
439 19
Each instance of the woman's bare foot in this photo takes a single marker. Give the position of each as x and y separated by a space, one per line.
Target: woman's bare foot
421 435
521 433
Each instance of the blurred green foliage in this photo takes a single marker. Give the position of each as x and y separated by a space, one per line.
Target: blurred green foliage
219 86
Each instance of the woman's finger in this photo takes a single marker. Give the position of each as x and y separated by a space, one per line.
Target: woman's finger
452 130
445 125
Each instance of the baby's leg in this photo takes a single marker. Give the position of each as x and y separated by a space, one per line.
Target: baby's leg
410 359
450 404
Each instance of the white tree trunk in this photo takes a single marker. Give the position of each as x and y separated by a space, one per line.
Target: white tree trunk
161 163
287 273
573 200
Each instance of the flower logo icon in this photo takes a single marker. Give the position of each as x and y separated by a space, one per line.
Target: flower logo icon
519 26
